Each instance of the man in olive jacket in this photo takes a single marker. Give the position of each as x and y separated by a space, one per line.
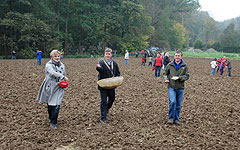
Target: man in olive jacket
175 74
107 68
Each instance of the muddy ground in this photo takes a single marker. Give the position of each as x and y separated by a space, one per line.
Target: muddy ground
210 117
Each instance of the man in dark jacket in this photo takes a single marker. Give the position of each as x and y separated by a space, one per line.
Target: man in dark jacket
175 74
229 67
107 68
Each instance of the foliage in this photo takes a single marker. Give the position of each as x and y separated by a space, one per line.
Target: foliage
23 31
208 54
80 26
178 37
198 44
229 39
26 54
167 19
216 45
78 56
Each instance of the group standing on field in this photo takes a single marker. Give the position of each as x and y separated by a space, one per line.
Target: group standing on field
175 73
220 64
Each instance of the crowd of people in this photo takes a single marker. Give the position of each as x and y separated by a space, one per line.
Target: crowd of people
175 73
220 64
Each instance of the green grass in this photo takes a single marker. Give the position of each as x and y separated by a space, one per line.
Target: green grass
209 54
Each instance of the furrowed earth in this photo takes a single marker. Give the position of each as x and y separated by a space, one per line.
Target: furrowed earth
210 117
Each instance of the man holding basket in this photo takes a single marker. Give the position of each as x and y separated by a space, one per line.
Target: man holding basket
107 68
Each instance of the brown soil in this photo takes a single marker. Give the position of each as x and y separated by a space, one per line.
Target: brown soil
210 116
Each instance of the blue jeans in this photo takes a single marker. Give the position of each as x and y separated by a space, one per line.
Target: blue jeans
53 112
175 102
229 72
14 57
126 61
218 68
107 99
213 71
39 61
158 71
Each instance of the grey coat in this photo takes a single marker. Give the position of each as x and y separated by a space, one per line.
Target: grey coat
50 92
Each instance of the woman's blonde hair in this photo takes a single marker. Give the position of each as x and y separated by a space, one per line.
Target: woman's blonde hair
54 52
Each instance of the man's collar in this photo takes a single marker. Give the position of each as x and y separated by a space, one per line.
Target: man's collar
178 63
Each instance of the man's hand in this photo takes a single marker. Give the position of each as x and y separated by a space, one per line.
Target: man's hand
166 81
175 78
98 65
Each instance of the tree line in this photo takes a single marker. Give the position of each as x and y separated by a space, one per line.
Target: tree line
81 26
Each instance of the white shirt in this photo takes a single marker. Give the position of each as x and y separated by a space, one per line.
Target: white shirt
127 55
213 64
150 59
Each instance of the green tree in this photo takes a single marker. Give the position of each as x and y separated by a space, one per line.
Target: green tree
229 39
24 32
165 14
178 37
198 44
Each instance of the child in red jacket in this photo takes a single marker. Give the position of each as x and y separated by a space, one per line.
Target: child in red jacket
143 61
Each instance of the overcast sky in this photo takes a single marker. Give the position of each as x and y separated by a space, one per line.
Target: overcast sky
221 10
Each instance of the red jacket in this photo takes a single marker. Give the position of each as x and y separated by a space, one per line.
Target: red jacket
143 59
158 61
219 62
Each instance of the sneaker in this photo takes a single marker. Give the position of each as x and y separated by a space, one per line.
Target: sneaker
177 123
170 121
54 126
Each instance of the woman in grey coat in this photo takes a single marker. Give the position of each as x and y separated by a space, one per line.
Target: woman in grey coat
50 92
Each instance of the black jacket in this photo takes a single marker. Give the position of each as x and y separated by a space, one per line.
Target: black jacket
166 60
104 71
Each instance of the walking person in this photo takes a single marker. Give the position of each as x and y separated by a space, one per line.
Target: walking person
166 59
150 60
50 92
175 74
219 63
158 65
213 64
229 66
145 54
14 55
39 57
92 54
107 68
222 66
126 57
143 60
61 54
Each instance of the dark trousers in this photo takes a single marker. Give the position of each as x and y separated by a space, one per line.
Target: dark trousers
107 99
218 68
53 113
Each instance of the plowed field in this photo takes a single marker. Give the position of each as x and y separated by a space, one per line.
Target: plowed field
210 117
